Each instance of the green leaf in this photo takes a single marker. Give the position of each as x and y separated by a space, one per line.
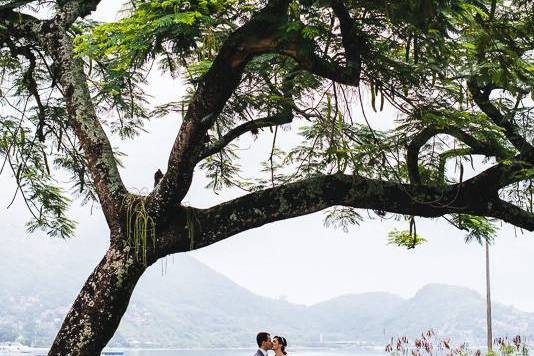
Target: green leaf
405 239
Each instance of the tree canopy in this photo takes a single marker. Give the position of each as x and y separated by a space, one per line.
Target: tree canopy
460 75
460 72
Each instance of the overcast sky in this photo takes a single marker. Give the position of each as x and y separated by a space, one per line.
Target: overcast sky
300 259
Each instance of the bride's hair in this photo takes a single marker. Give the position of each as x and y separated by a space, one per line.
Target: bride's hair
283 343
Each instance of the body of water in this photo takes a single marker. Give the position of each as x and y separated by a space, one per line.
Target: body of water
237 352
300 352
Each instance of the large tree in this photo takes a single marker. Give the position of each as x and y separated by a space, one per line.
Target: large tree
459 73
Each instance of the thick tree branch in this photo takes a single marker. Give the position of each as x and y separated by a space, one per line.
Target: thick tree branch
512 214
302 50
265 32
275 120
260 35
71 10
97 149
350 39
208 226
511 130
19 26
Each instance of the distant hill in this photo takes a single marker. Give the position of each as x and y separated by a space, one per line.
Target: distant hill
194 306
353 317
457 312
199 307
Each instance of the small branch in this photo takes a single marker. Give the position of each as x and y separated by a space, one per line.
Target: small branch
503 174
412 154
275 120
30 83
11 5
511 130
444 156
271 156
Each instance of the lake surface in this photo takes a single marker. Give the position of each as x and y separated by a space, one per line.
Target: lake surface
317 352
239 352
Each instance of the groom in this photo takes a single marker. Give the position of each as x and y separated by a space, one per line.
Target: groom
264 343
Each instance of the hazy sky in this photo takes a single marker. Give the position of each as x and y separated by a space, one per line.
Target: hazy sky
300 259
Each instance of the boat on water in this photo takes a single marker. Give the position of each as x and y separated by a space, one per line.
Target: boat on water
14 348
112 352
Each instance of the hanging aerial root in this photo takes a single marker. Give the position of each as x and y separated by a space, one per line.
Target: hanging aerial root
140 227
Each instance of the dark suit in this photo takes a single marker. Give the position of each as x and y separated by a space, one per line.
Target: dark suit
258 353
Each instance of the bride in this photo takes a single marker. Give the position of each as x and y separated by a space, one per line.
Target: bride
279 345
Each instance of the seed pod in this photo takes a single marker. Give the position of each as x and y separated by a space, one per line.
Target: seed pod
461 100
415 49
328 106
408 47
467 98
373 97
377 87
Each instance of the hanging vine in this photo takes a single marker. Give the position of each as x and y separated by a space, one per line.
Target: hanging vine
140 228
191 220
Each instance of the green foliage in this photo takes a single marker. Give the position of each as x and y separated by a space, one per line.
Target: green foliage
478 228
417 57
342 217
175 28
120 54
53 205
221 170
151 25
37 147
25 156
516 346
405 238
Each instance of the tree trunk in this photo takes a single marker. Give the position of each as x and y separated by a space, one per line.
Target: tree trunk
98 309
488 301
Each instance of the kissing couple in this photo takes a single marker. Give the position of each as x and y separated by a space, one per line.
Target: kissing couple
278 344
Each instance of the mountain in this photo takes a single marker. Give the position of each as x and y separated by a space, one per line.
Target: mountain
191 305
456 312
198 307
353 317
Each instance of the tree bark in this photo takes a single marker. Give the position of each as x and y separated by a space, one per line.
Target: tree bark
85 123
100 305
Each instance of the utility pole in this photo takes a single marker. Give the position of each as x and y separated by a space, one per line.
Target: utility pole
488 301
